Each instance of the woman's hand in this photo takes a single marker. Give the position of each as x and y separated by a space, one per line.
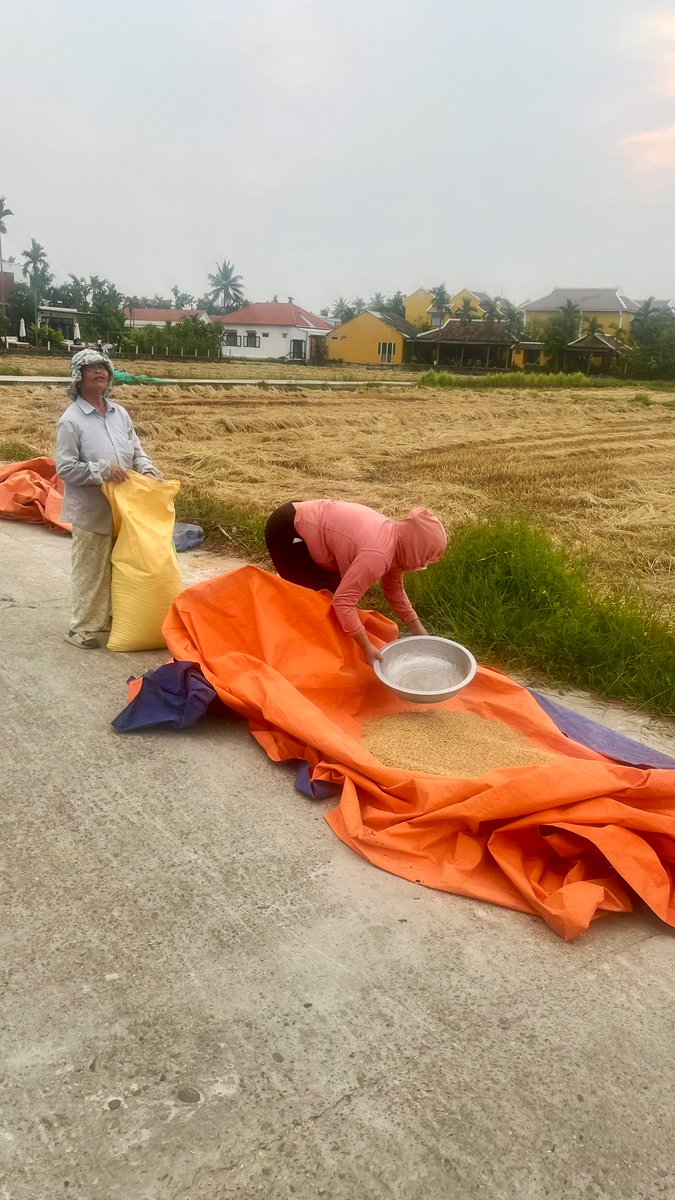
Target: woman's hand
417 628
117 473
371 653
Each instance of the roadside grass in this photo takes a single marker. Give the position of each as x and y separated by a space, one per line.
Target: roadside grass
16 451
237 531
522 603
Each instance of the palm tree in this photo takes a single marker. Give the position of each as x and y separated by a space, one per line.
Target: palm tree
646 309
466 312
80 290
441 300
226 284
592 325
571 317
492 311
378 302
4 212
513 316
36 266
342 310
359 305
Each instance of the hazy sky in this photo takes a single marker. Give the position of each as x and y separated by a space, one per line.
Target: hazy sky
340 147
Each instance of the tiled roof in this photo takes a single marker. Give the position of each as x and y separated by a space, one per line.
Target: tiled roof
396 322
596 341
477 332
587 299
274 314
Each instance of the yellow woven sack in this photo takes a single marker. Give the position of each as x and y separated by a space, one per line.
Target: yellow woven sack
145 574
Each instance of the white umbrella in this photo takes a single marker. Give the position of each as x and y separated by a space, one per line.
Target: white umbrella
76 331
22 328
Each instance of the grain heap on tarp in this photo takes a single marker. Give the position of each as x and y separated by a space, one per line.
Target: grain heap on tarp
570 839
449 743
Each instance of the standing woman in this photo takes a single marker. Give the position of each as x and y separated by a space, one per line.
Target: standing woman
345 548
95 441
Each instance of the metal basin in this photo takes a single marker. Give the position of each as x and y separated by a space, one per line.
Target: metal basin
425 670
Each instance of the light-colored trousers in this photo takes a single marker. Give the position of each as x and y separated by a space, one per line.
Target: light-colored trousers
90 581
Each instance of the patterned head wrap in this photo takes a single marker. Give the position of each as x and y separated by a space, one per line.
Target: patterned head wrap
87 358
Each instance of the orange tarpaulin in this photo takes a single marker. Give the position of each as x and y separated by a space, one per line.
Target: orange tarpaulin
570 840
32 491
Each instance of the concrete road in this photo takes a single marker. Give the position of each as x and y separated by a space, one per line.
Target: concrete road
206 995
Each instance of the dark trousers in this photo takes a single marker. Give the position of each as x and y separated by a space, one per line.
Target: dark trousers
290 555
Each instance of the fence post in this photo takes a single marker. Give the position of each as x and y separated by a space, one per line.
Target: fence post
136 349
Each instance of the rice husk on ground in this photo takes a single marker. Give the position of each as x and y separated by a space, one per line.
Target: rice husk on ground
449 743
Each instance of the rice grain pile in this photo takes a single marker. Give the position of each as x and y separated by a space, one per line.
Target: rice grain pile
449 743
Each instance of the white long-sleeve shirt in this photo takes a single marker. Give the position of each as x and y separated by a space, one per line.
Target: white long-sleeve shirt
87 447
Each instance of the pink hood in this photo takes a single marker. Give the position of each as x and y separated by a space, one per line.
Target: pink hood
421 539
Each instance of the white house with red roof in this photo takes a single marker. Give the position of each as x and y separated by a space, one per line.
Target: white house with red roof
282 331
138 318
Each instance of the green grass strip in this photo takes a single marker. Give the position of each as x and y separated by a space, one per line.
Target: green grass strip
517 379
522 603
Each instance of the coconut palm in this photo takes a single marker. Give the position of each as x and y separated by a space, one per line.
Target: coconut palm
592 325
226 284
514 317
492 313
643 319
79 290
571 317
466 312
441 300
342 310
359 305
4 212
378 302
37 267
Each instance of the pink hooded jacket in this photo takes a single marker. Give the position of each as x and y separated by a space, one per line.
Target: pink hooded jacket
365 546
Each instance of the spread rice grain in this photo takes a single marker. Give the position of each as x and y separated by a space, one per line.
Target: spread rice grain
449 743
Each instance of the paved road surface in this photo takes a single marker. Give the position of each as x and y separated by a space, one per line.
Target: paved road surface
206 995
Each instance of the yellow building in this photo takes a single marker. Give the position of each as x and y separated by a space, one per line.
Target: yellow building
370 339
476 298
608 306
416 307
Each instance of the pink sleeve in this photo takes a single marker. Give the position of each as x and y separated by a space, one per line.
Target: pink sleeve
365 570
392 586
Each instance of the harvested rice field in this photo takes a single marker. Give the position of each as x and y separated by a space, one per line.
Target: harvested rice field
223 368
449 743
595 467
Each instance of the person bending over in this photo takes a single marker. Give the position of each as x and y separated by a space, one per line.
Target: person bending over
345 548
